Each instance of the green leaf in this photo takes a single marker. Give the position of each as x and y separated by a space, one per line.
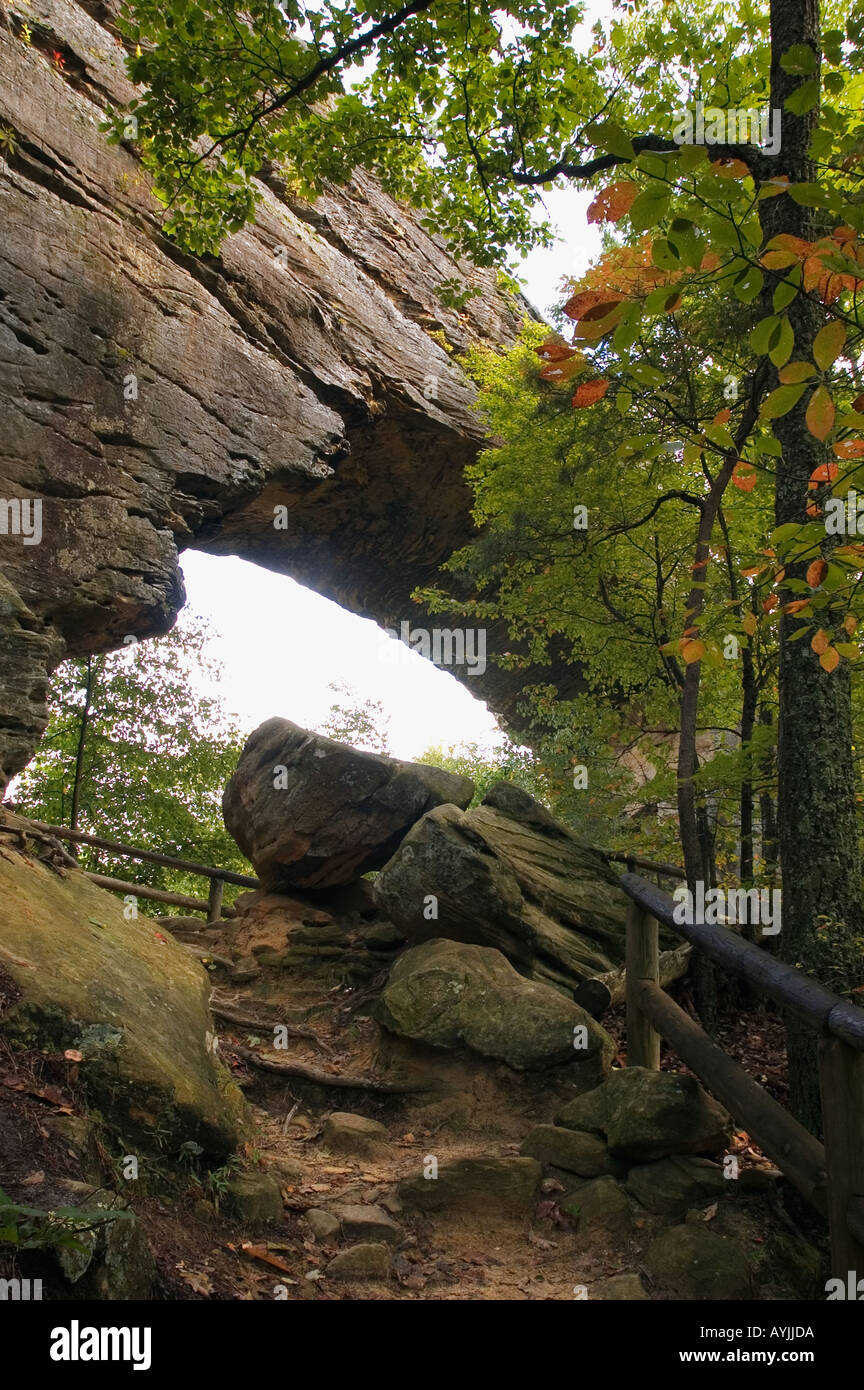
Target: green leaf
781 401
649 207
804 98
800 60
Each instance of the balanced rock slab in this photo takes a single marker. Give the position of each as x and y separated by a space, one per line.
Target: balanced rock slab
312 813
507 875
450 994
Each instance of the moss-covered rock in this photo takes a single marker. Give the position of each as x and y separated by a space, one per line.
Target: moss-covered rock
600 1208
498 1186
672 1185
450 994
125 995
364 1261
690 1262
647 1115
575 1152
113 1261
255 1198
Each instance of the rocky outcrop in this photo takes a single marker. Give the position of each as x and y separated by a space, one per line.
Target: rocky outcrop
311 813
128 1003
153 400
506 874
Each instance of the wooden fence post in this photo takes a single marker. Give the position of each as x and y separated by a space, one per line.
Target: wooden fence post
642 963
841 1077
214 904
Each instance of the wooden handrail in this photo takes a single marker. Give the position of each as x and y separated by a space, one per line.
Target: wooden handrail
152 857
651 866
790 988
831 1177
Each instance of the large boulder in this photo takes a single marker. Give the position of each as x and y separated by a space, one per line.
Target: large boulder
506 874
647 1115
130 999
311 813
449 994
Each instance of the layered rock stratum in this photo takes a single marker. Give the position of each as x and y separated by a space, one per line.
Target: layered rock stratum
153 401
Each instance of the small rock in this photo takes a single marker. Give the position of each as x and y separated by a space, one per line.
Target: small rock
601 1206
361 1262
791 1265
204 1211
496 1185
255 1197
575 1152
286 1169
671 1185
323 1224
691 1262
624 1287
367 1223
353 1134
392 1203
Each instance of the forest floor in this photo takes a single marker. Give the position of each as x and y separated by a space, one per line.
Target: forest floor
203 1252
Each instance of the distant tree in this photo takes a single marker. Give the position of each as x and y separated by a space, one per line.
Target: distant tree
486 765
361 724
135 752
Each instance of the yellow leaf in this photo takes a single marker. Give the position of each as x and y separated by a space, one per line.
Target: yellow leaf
830 659
828 344
820 641
693 651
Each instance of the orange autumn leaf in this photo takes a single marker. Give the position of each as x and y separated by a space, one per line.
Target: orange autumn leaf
825 473
722 417
564 370
850 622
796 605
770 603
813 509
830 659
555 352
710 261
748 623
816 573
751 570
849 449
730 168
693 651
820 641
591 304
612 202
819 416
590 392
744 476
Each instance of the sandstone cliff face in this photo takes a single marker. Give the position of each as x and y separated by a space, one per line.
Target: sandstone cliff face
153 401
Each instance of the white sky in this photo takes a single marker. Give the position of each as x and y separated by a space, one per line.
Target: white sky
281 645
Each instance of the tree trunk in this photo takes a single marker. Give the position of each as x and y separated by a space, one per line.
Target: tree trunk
817 825
82 744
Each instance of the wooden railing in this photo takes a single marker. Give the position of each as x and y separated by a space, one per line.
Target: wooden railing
212 904
829 1176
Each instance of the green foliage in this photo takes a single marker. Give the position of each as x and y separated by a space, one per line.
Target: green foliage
361 724
157 756
34 1228
509 763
